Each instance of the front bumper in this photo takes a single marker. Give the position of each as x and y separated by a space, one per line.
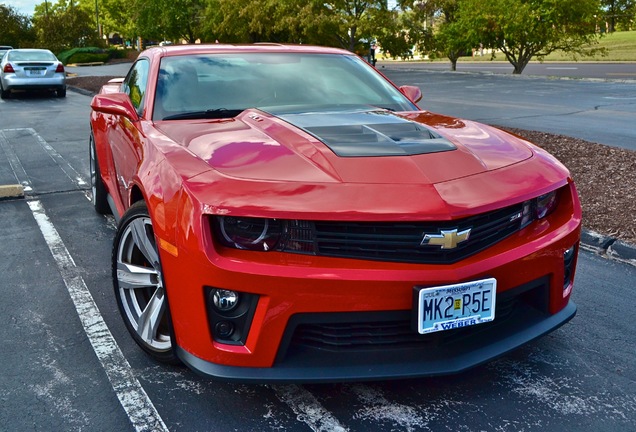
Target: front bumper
297 292
430 359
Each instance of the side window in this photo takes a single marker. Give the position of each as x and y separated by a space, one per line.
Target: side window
135 84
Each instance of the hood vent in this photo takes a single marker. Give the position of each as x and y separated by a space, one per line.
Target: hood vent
370 133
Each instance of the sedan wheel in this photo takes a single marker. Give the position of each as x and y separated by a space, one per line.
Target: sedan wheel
139 286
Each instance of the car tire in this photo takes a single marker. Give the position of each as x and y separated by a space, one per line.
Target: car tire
139 285
60 93
99 194
4 94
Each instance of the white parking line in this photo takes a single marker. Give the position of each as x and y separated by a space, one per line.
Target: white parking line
307 408
133 398
377 408
66 167
62 163
14 163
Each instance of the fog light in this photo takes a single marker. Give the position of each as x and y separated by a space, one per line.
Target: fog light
225 300
224 329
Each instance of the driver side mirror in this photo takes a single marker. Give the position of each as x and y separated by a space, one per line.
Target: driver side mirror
412 92
115 103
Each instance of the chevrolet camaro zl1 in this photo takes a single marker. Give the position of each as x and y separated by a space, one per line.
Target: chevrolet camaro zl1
286 213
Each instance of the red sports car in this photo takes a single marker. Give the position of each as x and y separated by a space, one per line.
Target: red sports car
285 213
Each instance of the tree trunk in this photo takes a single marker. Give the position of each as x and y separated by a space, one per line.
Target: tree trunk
519 61
611 25
522 63
453 56
352 38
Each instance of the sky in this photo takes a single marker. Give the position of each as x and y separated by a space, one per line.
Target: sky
24 7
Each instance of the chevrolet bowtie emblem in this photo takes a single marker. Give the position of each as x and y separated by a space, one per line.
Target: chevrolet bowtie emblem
447 239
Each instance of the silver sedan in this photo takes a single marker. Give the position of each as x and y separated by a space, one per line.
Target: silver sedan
31 69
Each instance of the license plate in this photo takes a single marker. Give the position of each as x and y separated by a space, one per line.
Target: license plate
36 72
455 306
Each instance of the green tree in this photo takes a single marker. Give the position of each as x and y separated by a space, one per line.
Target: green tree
449 37
345 23
254 21
436 30
393 37
356 19
399 31
170 19
15 29
110 17
619 13
64 24
526 29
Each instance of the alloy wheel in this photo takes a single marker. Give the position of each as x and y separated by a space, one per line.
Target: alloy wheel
139 284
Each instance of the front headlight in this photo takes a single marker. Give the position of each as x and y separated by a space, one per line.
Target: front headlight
546 204
539 207
248 233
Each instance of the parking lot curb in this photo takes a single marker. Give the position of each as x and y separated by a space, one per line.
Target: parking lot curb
609 247
85 64
80 90
11 191
622 251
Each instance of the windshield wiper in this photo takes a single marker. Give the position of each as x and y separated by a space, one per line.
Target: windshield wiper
383 108
217 113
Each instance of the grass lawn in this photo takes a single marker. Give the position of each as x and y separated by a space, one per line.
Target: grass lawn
621 47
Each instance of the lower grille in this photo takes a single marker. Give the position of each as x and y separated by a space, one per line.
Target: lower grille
343 333
382 334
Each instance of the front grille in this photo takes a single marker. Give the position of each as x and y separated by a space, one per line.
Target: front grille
402 241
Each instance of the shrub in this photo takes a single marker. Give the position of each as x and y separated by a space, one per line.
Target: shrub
83 55
89 58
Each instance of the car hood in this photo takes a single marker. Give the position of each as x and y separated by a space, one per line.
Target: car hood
378 166
372 147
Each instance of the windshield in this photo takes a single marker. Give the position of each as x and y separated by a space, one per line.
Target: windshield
218 85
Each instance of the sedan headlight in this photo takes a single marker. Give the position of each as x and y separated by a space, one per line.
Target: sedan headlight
249 233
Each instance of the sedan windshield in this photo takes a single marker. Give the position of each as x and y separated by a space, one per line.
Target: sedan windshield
227 84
